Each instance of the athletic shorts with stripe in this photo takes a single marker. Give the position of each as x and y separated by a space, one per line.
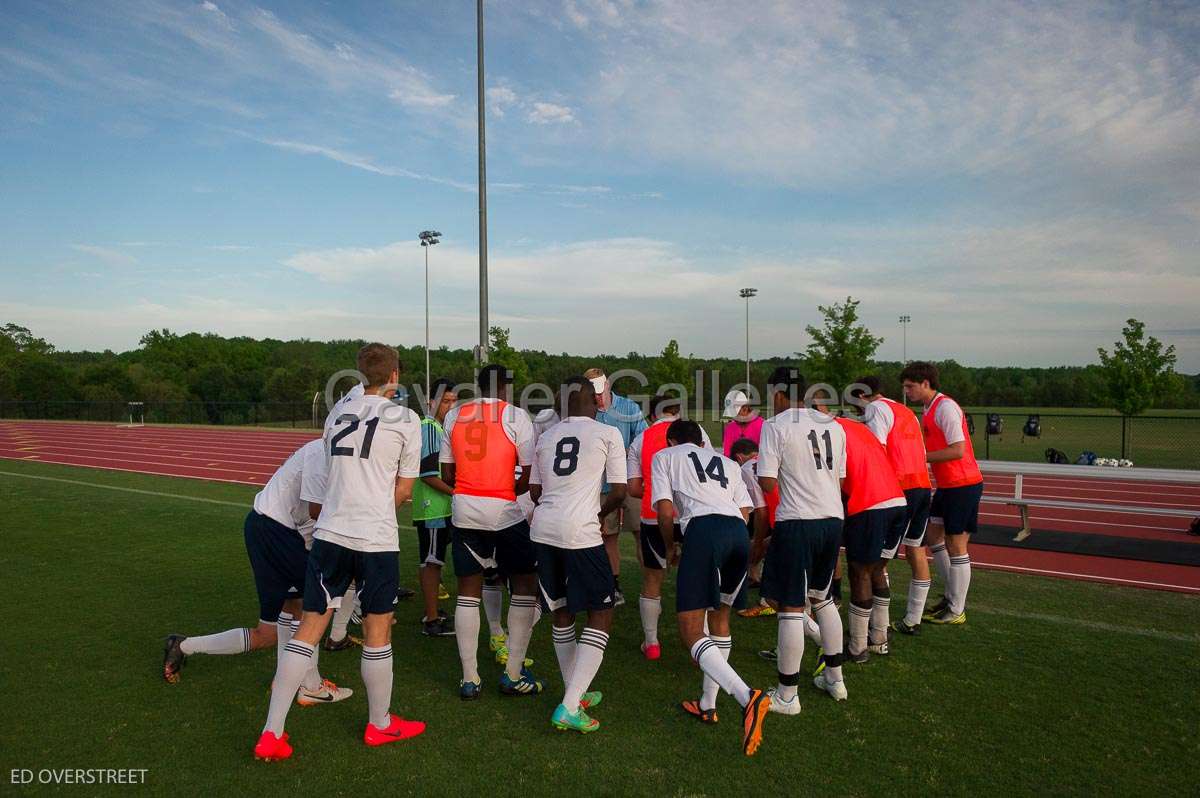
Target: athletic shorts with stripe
873 535
277 559
509 550
654 548
712 566
432 543
331 569
800 560
577 580
916 515
957 509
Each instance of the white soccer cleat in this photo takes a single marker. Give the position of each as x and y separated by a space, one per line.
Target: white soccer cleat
781 707
836 690
327 693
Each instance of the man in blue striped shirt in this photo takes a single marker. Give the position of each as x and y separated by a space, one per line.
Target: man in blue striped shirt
626 416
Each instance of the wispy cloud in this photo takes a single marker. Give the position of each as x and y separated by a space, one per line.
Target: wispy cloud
360 162
550 114
107 255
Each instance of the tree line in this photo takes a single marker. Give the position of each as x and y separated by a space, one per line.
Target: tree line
203 367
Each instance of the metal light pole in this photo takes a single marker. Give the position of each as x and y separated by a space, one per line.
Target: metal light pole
746 294
904 320
428 239
483 289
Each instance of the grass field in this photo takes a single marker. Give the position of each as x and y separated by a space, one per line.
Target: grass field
1052 687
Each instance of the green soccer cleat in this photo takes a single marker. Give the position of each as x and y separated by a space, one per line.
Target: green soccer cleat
820 662
937 609
948 618
577 721
591 699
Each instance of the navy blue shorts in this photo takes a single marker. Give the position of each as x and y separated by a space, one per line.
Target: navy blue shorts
916 515
957 508
278 559
431 544
510 551
712 565
654 548
331 569
874 535
800 561
576 580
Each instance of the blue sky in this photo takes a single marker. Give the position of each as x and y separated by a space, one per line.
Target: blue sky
1019 178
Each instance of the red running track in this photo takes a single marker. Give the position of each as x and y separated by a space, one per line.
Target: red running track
251 456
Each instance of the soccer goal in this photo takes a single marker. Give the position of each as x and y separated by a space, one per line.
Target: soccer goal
137 415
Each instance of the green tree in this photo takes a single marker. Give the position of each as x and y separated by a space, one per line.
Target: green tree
15 338
502 352
841 349
1139 372
671 367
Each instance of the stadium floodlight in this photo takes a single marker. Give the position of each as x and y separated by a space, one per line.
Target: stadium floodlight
904 320
747 294
428 238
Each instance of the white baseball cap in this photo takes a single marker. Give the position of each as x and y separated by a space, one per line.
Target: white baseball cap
734 401
599 383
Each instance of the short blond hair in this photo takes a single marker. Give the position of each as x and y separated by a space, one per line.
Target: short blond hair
593 373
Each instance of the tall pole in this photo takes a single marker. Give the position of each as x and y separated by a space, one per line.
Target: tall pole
904 320
483 275
426 323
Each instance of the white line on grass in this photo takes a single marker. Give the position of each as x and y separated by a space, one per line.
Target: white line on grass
163 494
1096 626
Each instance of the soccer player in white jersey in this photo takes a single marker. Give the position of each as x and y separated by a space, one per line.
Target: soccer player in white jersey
486 440
374 457
705 491
803 453
664 409
571 461
278 532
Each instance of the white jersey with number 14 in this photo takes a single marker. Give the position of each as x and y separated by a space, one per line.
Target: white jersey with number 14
699 482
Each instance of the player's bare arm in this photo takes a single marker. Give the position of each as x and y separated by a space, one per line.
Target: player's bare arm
314 510
636 487
954 451
614 499
404 489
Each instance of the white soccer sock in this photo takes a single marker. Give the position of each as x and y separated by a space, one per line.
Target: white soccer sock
520 627
493 605
708 687
312 679
231 641
283 633
650 610
860 619
466 632
960 566
376 666
341 616
789 653
918 591
811 630
289 672
588 656
564 649
941 563
708 656
880 618
830 622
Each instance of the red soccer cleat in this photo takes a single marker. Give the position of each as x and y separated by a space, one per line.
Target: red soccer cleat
399 729
271 748
652 651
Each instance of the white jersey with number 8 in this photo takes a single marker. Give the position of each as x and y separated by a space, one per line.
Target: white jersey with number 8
572 460
699 482
369 444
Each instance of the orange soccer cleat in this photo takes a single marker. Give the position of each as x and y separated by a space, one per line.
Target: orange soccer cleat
398 729
271 748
